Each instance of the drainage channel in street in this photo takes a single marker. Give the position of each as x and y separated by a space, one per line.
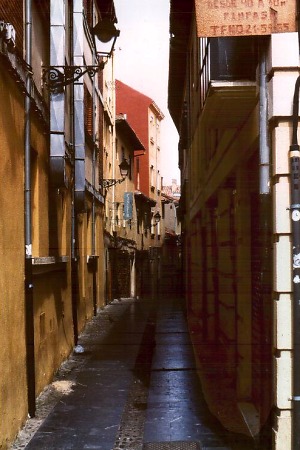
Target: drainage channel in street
179 445
131 428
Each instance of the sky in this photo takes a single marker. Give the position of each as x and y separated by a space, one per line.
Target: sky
142 61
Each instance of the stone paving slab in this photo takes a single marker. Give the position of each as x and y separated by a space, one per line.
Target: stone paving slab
132 388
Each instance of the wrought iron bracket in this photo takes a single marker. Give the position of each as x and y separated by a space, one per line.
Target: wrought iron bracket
57 77
110 182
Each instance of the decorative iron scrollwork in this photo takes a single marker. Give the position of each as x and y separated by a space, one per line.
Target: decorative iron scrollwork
57 77
110 182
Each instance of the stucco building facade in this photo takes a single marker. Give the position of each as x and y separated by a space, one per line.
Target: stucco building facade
52 207
145 118
73 237
235 123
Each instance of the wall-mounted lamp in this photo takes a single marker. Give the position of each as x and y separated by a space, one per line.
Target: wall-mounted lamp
124 170
57 77
156 218
105 31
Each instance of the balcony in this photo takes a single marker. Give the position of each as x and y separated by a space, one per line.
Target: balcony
227 79
223 85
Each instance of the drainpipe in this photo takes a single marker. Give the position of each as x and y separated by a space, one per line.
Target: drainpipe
114 150
114 144
29 309
74 267
264 147
264 224
74 230
294 156
93 197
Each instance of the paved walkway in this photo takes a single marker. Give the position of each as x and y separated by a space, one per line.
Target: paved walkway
133 386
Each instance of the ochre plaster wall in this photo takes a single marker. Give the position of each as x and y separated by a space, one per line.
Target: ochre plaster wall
13 398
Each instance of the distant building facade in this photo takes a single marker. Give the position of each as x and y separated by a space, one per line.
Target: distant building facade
171 257
170 201
145 117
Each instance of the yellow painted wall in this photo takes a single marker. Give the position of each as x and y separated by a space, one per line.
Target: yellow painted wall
39 177
100 251
85 299
13 395
53 323
53 326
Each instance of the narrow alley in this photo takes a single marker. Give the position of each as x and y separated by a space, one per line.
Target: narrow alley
150 225
131 383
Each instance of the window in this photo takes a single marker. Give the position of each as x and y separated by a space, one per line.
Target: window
152 176
138 220
138 174
88 112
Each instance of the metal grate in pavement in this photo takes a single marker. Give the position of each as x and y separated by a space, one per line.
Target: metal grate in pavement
176 445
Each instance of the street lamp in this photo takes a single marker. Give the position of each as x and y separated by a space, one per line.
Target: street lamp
124 170
57 77
156 218
105 31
